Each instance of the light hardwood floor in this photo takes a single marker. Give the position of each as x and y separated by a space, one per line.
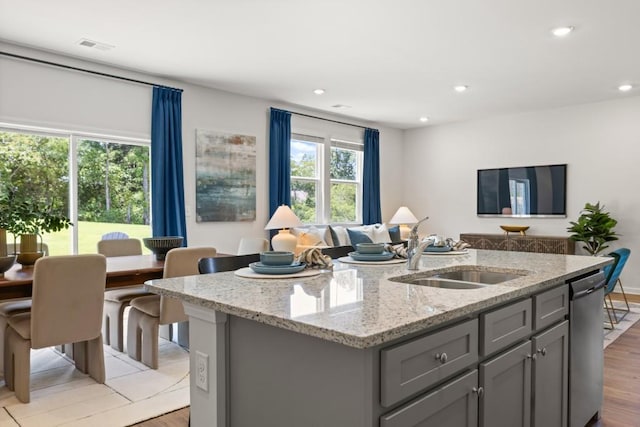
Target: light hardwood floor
621 406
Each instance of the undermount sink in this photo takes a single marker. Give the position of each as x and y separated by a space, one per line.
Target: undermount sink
464 277
477 276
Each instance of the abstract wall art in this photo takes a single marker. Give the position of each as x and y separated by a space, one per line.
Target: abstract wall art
225 176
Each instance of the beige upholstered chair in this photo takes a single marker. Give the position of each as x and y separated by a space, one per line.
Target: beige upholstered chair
148 313
66 308
252 245
117 300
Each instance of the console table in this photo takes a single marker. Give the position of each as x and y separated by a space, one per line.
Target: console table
517 242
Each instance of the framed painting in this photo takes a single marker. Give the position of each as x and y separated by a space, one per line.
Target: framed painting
225 176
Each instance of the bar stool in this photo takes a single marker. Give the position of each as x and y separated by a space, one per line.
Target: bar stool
149 312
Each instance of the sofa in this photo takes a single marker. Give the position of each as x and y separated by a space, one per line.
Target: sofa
325 236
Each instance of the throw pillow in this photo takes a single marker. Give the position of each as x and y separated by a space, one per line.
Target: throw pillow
358 237
335 241
342 236
380 234
394 234
311 237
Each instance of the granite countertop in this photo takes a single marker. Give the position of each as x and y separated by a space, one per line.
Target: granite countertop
358 306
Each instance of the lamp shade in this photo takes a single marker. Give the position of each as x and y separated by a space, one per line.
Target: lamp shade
283 217
403 216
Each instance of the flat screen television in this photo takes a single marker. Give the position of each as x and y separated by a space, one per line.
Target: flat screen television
531 191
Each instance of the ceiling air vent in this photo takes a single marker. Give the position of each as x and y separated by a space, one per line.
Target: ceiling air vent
341 106
95 45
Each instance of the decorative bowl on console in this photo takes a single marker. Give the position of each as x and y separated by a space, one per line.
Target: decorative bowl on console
515 228
161 245
6 262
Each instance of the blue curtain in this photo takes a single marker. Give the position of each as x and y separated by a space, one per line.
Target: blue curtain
279 159
371 211
167 186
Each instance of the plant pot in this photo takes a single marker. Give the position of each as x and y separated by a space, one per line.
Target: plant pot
28 243
3 242
27 259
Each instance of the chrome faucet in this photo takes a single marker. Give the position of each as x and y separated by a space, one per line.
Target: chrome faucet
415 247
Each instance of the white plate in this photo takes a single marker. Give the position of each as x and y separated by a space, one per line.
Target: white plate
349 260
249 273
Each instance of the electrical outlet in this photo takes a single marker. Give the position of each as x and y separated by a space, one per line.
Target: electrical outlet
202 371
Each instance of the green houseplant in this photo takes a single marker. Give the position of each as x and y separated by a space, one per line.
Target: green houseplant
594 228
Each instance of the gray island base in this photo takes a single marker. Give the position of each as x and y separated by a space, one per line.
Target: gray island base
373 346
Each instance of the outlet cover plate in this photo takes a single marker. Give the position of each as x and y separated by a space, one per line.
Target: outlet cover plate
202 371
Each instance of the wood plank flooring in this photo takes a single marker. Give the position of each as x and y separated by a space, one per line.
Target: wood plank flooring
621 406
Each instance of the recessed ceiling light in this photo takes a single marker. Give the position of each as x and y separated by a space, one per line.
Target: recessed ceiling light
460 88
625 88
561 31
424 119
318 91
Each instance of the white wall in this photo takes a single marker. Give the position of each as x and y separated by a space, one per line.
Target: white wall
32 94
600 142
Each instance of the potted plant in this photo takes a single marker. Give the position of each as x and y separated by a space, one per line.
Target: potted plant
594 228
29 220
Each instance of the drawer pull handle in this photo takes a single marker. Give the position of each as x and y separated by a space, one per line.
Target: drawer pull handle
442 357
478 390
542 351
532 356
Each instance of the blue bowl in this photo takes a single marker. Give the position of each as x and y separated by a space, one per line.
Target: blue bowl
276 258
370 248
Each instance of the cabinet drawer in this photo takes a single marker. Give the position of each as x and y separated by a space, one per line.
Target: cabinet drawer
408 368
504 326
453 404
550 307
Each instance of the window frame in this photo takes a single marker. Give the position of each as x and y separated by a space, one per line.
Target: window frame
74 138
323 178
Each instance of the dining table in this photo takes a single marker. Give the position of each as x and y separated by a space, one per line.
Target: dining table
122 271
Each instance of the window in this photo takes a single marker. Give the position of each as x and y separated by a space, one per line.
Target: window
102 184
326 180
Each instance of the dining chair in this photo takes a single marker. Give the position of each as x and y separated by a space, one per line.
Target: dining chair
227 263
337 251
147 313
117 300
114 235
252 245
66 308
612 273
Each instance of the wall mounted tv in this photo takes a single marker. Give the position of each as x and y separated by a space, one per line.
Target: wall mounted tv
532 191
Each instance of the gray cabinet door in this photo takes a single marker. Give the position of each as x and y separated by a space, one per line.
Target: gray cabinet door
506 380
505 326
551 376
412 367
455 404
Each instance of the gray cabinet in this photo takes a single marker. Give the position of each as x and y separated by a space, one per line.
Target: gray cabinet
454 404
550 376
506 381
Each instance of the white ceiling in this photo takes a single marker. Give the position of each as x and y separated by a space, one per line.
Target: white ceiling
391 61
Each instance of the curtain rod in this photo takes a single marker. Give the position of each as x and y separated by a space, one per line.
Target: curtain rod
97 73
326 120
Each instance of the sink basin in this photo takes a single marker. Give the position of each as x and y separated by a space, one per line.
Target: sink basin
477 276
464 277
446 284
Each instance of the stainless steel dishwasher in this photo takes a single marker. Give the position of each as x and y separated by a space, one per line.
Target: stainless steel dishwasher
586 336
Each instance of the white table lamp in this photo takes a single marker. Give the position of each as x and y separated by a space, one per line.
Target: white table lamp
404 216
283 218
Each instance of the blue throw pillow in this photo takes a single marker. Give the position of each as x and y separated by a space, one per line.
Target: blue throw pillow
358 237
394 234
334 237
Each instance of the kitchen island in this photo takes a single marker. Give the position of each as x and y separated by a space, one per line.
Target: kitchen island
355 346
